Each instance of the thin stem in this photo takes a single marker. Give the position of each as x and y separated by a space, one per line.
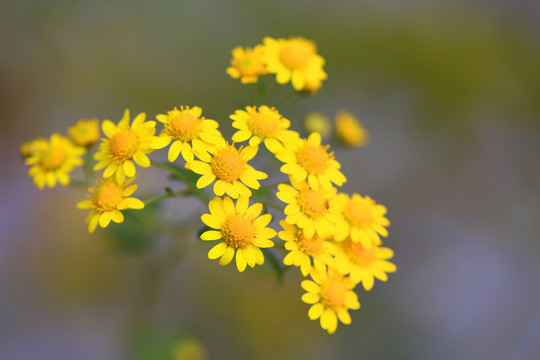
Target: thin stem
167 195
271 204
288 99
182 175
79 184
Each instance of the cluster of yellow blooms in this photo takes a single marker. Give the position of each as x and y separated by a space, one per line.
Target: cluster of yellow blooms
332 237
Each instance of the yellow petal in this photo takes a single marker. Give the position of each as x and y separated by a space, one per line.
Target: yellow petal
211 235
217 250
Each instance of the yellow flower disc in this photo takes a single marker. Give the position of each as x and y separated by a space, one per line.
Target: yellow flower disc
238 231
228 164
123 145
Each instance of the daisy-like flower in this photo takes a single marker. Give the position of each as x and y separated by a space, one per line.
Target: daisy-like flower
228 167
29 148
85 132
307 158
349 130
107 200
51 161
124 144
362 219
332 296
247 64
240 229
365 264
306 252
294 59
189 132
311 210
262 124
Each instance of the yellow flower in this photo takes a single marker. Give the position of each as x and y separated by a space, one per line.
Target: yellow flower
188 130
228 167
106 201
125 143
362 219
332 296
317 122
240 230
304 251
294 59
85 132
53 160
247 64
309 159
262 124
349 130
365 264
309 209
29 148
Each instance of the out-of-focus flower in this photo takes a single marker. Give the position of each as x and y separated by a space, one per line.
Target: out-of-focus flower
247 64
349 130
85 132
53 160
317 122
29 148
296 60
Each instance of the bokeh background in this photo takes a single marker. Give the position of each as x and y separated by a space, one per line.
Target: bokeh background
450 92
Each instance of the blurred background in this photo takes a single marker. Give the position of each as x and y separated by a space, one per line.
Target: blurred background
450 93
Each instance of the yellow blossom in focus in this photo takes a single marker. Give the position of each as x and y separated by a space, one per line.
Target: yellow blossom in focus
247 64
362 219
51 161
85 132
309 159
349 130
126 143
107 200
296 60
189 132
228 167
332 296
306 252
365 264
262 124
311 210
240 229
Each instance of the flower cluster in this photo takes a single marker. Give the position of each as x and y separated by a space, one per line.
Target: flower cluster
333 238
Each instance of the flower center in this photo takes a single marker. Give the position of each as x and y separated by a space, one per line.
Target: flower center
123 145
358 213
313 202
295 54
358 254
108 196
183 126
53 157
264 125
314 158
228 165
238 231
309 246
335 293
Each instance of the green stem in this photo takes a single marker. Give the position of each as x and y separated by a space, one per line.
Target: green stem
79 184
167 195
268 203
185 177
88 166
288 99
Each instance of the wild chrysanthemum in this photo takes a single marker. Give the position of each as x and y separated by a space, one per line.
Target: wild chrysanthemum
189 132
306 252
247 64
307 158
332 296
309 209
228 167
85 132
294 59
262 124
51 161
365 264
124 144
362 219
106 201
349 130
240 230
